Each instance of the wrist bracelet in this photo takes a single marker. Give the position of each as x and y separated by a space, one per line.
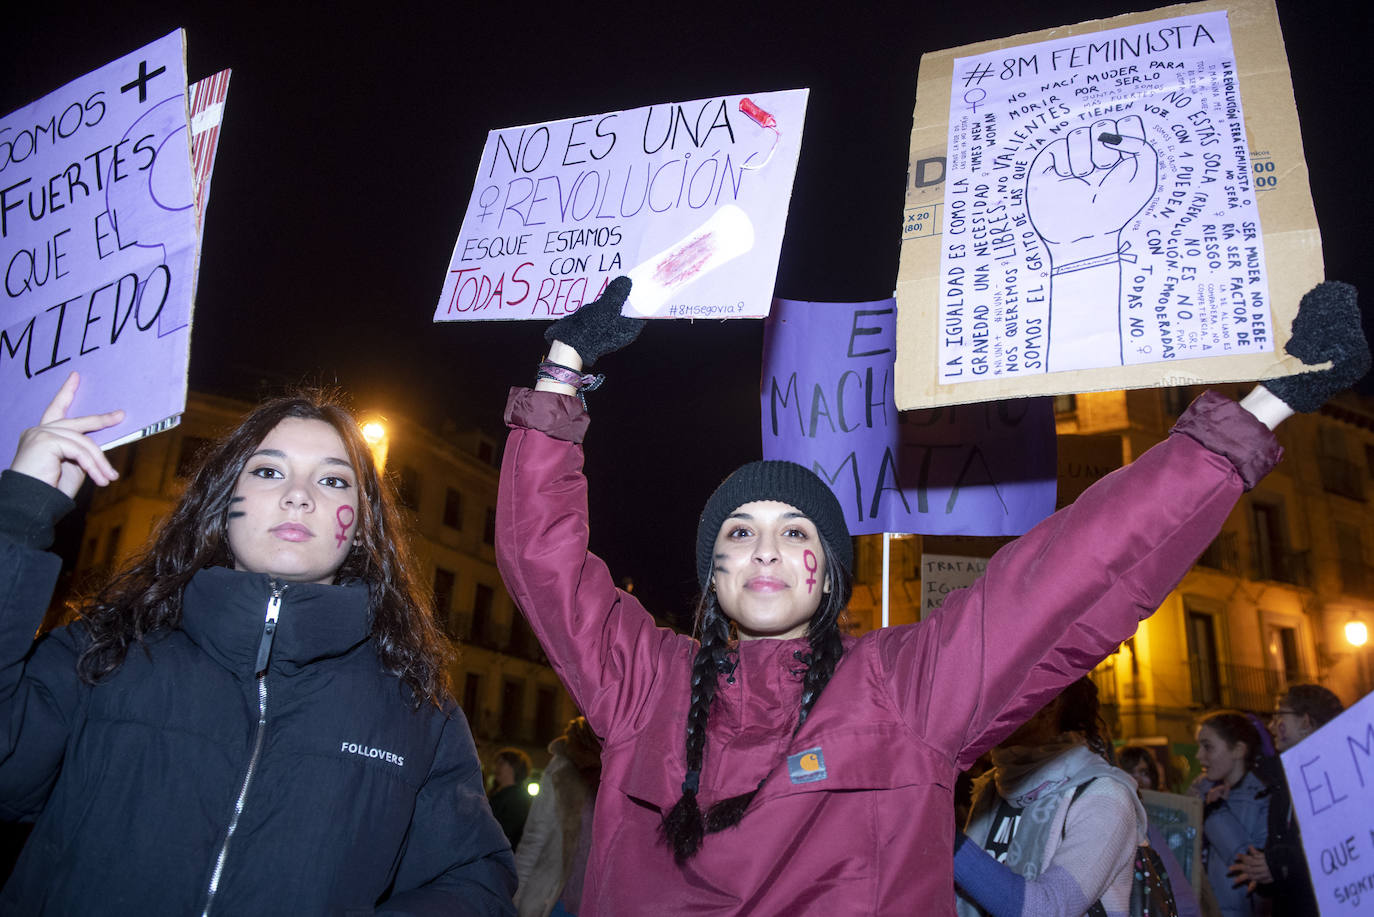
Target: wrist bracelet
582 382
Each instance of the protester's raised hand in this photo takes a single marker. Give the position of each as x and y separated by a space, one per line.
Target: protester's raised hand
1326 328
59 452
598 328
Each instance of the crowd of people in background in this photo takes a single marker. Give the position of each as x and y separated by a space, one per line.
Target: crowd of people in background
253 716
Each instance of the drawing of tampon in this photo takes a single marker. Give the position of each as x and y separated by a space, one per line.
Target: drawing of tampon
722 238
766 121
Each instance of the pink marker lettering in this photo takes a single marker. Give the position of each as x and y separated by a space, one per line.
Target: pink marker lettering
809 560
345 519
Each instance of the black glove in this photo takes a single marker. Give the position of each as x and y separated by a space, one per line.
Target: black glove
598 328
1327 327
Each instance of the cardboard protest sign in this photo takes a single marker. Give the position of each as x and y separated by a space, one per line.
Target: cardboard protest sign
1331 779
941 574
99 241
689 199
1116 204
826 403
1179 820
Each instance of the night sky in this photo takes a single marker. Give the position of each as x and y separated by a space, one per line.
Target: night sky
353 131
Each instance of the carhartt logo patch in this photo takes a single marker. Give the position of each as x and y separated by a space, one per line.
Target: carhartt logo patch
806 766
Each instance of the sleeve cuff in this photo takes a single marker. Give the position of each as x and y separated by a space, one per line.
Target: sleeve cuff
551 413
29 509
1223 426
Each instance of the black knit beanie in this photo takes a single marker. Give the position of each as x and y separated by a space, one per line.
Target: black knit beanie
786 482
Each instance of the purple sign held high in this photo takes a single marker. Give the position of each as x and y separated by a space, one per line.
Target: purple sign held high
99 245
973 469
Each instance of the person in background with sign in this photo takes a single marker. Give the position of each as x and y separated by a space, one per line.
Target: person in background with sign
1054 825
1144 769
1279 870
251 718
773 765
1236 808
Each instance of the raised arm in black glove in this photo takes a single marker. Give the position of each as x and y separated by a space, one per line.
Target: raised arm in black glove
578 340
1327 327
598 328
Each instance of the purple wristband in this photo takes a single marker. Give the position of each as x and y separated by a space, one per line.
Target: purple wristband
582 382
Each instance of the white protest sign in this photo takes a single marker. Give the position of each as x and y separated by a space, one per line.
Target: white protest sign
99 244
689 199
1100 205
1331 779
941 574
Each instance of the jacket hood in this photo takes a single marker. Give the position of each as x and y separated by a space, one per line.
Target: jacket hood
223 612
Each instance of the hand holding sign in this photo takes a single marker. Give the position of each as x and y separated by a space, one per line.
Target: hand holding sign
1327 328
598 328
58 452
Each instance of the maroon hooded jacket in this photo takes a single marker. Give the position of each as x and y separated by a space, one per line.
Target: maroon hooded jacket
856 813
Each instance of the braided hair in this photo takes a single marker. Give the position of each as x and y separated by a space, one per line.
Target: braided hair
685 826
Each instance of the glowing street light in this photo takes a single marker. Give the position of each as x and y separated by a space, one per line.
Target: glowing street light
1356 634
375 435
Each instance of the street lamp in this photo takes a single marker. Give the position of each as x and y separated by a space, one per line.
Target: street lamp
1357 635
375 435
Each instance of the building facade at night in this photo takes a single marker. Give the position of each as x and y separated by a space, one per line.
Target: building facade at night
447 486
1267 605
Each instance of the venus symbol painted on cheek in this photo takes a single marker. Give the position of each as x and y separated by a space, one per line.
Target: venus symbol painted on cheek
345 519
809 559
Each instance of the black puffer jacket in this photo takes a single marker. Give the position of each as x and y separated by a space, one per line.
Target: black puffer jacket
350 800
1291 891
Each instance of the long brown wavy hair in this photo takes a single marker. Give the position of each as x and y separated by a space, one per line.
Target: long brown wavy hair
146 596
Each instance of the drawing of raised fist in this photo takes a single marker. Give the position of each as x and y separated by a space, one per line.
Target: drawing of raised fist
1091 183
1081 192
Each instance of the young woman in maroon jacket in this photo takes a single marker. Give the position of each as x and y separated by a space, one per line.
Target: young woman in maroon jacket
772 765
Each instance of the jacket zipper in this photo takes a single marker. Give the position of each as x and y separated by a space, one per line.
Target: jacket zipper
269 630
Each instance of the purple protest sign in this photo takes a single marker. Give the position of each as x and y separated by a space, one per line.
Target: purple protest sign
99 241
826 399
